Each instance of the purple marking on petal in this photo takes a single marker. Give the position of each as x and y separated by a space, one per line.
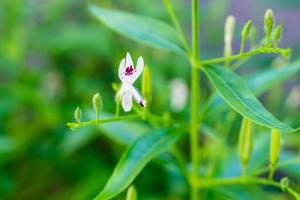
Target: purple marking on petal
142 103
129 70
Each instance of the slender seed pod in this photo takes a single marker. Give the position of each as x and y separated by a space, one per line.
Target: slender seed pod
277 35
131 193
245 142
275 146
97 105
228 35
269 21
146 84
77 114
274 151
245 34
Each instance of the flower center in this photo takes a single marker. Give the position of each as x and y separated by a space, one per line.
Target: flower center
129 70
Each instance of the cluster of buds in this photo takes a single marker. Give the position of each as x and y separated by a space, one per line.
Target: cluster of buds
97 105
272 35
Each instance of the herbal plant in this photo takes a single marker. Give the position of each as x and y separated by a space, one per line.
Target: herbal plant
237 92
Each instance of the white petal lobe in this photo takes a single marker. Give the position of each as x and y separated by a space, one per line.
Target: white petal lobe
122 70
127 101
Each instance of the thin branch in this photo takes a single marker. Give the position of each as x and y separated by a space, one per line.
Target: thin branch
260 50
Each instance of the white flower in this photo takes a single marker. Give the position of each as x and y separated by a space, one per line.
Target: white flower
128 75
179 94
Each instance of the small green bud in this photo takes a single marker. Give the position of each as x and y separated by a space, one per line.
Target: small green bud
97 105
246 30
275 147
277 35
146 84
253 37
269 21
131 193
245 34
77 114
286 53
245 141
115 87
284 183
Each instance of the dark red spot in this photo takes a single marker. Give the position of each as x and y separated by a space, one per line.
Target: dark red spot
129 70
142 103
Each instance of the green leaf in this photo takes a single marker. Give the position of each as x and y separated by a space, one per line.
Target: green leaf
143 150
141 29
259 83
264 80
236 93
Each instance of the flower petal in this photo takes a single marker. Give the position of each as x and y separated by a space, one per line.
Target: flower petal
137 97
122 70
128 60
127 101
138 70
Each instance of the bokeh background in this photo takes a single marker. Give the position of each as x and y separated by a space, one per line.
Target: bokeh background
54 56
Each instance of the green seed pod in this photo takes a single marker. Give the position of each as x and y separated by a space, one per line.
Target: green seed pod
269 21
77 114
97 105
228 35
275 147
146 84
284 183
277 35
245 34
245 141
131 193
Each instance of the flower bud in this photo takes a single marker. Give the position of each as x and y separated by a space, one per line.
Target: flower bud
269 21
245 34
284 183
277 35
253 37
97 105
115 87
274 147
146 84
245 141
286 53
77 114
228 35
131 193
246 30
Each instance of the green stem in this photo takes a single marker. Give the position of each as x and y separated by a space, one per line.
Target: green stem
97 122
244 55
176 23
209 183
194 101
118 108
279 165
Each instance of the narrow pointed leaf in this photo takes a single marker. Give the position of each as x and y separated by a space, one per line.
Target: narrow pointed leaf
236 93
139 28
143 150
259 83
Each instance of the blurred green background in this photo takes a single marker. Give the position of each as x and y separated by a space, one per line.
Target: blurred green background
54 56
